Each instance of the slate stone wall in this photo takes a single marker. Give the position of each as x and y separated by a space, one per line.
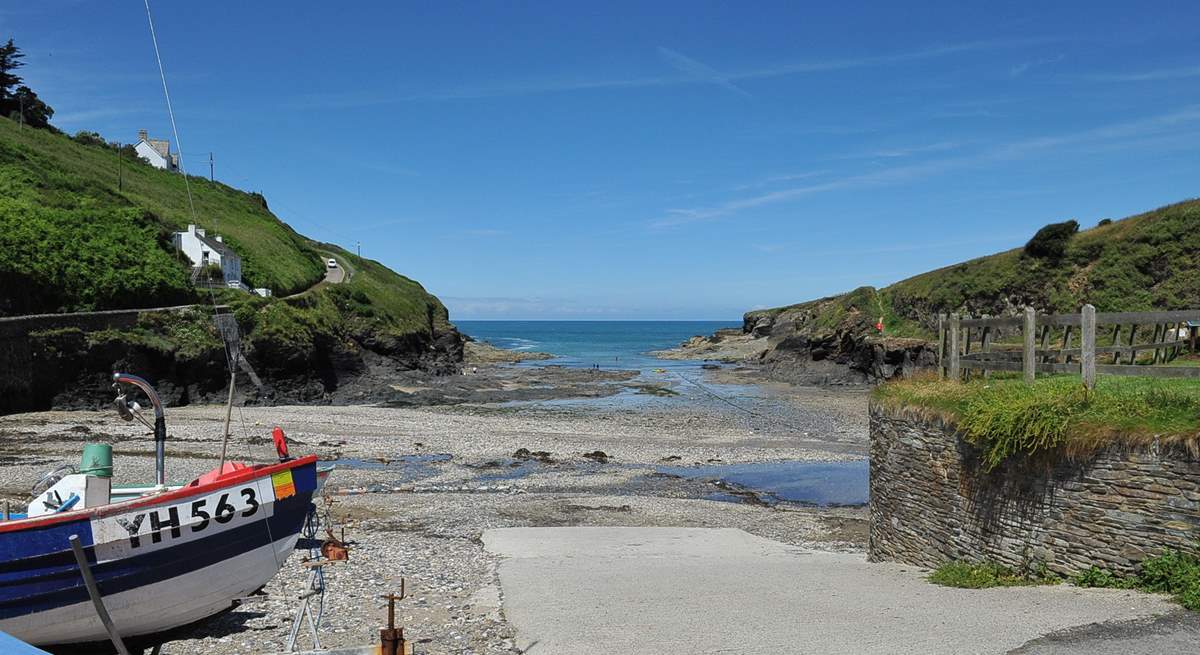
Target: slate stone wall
931 502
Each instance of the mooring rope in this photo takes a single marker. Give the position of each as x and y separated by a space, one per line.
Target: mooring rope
230 355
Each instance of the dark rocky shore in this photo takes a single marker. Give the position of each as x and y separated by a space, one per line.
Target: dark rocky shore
800 346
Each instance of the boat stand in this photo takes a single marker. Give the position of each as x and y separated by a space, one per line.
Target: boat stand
314 593
93 590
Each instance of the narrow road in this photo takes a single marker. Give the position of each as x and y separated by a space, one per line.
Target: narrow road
339 275
335 275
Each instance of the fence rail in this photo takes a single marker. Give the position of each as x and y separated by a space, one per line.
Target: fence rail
1171 334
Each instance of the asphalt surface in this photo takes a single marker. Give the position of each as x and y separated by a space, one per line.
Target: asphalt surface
694 590
1177 632
335 275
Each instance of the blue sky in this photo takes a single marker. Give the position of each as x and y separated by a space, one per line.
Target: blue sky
650 160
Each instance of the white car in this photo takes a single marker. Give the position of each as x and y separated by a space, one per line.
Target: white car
331 262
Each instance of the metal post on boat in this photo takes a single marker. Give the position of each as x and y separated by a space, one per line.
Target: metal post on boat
160 425
93 590
228 328
228 416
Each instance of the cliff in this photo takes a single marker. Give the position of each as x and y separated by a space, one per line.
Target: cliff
1140 263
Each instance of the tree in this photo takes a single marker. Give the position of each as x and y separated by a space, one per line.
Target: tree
18 101
30 108
10 61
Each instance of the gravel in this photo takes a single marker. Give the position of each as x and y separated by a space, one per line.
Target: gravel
421 520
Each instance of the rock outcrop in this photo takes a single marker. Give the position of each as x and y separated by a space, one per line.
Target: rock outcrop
66 361
829 341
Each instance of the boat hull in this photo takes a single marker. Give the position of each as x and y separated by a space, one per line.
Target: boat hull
160 562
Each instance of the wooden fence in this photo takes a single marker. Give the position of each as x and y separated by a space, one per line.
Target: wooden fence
984 344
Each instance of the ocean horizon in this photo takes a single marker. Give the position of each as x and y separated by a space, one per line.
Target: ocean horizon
584 343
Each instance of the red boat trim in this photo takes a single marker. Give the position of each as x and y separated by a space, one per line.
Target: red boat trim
156 499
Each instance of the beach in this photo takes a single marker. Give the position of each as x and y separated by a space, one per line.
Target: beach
416 487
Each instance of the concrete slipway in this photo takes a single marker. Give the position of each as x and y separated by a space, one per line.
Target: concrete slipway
686 591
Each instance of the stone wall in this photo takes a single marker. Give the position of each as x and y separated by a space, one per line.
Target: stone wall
932 502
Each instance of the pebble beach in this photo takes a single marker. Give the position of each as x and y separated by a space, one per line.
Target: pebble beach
415 488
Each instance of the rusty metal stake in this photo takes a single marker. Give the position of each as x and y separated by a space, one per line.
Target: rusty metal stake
391 638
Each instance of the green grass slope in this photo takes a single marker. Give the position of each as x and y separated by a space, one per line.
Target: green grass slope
75 241
1150 261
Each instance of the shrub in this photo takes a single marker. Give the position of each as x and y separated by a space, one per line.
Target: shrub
1051 241
88 138
1174 572
983 575
1103 222
1095 576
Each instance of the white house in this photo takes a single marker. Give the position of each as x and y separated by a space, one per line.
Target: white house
157 152
204 250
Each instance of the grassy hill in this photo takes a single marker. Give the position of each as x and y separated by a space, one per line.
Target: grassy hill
75 237
76 240
1144 262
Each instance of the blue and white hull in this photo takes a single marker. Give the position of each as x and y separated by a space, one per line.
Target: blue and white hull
160 562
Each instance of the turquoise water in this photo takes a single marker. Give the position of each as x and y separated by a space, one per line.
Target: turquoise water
611 344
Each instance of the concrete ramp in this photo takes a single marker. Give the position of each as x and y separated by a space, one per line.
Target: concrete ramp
685 591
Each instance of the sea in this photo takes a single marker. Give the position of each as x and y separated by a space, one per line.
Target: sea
611 344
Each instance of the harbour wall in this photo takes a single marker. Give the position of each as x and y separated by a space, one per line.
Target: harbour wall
931 501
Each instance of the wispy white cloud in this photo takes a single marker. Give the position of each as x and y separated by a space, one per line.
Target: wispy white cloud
905 151
88 116
1148 76
1127 134
371 227
1024 67
694 71
798 249
515 307
777 179
700 71
483 232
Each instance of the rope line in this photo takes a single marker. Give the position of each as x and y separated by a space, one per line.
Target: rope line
230 355
751 412
170 110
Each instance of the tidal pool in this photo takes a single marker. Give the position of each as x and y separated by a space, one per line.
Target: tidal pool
806 483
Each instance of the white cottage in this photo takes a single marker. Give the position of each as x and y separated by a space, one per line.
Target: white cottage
157 152
204 250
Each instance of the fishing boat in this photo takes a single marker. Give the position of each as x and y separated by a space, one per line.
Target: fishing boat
161 560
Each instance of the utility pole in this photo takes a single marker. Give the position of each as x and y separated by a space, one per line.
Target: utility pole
210 168
120 171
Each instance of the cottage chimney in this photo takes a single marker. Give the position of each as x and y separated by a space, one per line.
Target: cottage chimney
142 135
219 239
191 228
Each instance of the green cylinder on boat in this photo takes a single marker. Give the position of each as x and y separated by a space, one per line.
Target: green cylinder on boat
97 460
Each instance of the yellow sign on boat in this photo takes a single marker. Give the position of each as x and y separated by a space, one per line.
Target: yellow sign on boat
285 487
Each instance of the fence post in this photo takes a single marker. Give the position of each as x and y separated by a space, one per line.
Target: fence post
1028 363
941 361
985 346
955 330
1087 343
